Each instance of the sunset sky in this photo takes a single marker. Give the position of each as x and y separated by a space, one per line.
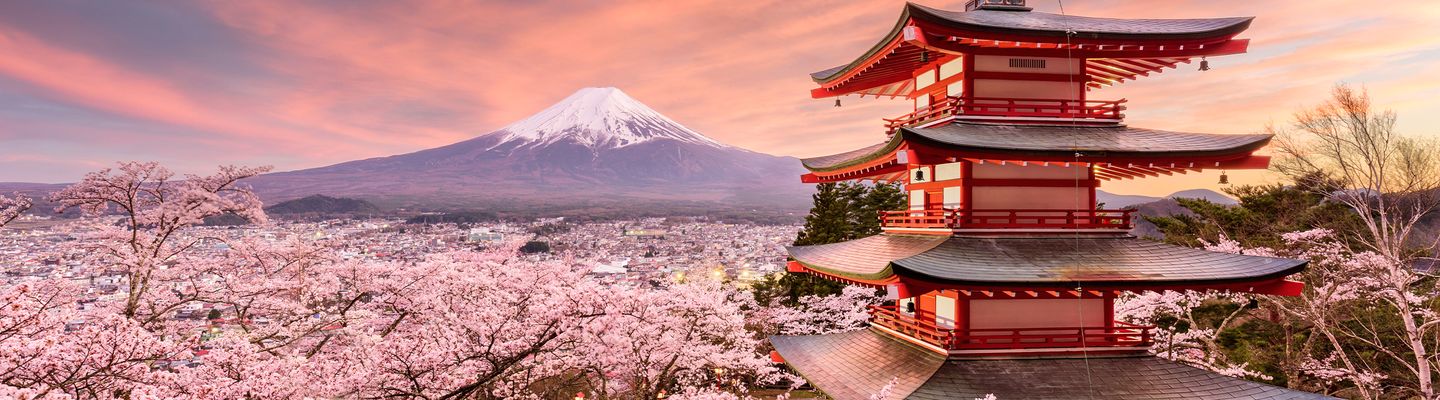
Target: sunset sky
299 84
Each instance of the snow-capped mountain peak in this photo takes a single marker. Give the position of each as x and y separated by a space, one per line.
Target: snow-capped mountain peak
600 118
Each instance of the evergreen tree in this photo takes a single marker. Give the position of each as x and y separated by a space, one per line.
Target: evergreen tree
828 221
877 198
841 212
1264 213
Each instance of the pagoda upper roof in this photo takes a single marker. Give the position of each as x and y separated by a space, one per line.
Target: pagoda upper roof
1096 143
857 364
1110 261
950 32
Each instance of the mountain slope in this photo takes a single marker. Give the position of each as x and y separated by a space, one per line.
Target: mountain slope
596 146
322 204
1116 201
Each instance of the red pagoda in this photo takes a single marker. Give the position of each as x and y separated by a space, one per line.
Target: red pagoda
1003 271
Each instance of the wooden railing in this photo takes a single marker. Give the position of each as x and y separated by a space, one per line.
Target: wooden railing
1120 335
947 218
1094 110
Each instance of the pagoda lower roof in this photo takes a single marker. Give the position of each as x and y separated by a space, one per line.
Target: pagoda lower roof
1052 261
1094 143
858 364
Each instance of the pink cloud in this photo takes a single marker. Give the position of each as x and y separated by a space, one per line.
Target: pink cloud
364 80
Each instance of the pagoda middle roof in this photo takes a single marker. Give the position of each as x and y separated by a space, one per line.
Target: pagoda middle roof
1037 261
1108 141
1047 25
857 364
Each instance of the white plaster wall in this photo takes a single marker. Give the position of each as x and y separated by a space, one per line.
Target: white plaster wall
945 309
926 78
951 197
1053 65
945 172
952 67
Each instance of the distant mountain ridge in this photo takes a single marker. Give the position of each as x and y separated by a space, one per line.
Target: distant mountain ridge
597 147
322 204
1116 201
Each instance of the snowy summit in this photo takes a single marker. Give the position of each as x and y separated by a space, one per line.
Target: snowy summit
600 118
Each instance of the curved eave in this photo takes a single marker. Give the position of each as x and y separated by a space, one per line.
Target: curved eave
857 364
901 54
1058 262
840 161
1086 28
1237 283
998 142
1023 149
866 259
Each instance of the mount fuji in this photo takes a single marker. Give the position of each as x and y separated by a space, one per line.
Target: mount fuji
597 146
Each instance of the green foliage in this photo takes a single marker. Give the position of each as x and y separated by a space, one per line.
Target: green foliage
1264 213
846 211
787 288
841 212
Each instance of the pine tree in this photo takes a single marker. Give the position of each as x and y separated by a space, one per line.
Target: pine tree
828 221
841 211
877 198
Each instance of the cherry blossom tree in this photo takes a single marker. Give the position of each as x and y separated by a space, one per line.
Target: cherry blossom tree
1392 181
12 207
1188 339
147 245
688 335
819 315
297 320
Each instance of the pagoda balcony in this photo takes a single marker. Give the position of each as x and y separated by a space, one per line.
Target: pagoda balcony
958 341
1000 109
960 219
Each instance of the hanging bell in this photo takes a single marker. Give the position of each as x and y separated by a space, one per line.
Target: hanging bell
924 56
1224 179
837 102
1204 64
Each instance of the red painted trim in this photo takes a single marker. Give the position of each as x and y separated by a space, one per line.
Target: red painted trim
1110 310
967 181
1231 47
1090 174
933 185
962 314
937 30
1273 286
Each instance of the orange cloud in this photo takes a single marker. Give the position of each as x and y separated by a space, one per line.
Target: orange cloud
358 80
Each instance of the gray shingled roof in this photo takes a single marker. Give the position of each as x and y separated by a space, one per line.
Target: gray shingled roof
835 161
1053 25
1097 142
854 365
1047 24
1118 140
865 258
1048 261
